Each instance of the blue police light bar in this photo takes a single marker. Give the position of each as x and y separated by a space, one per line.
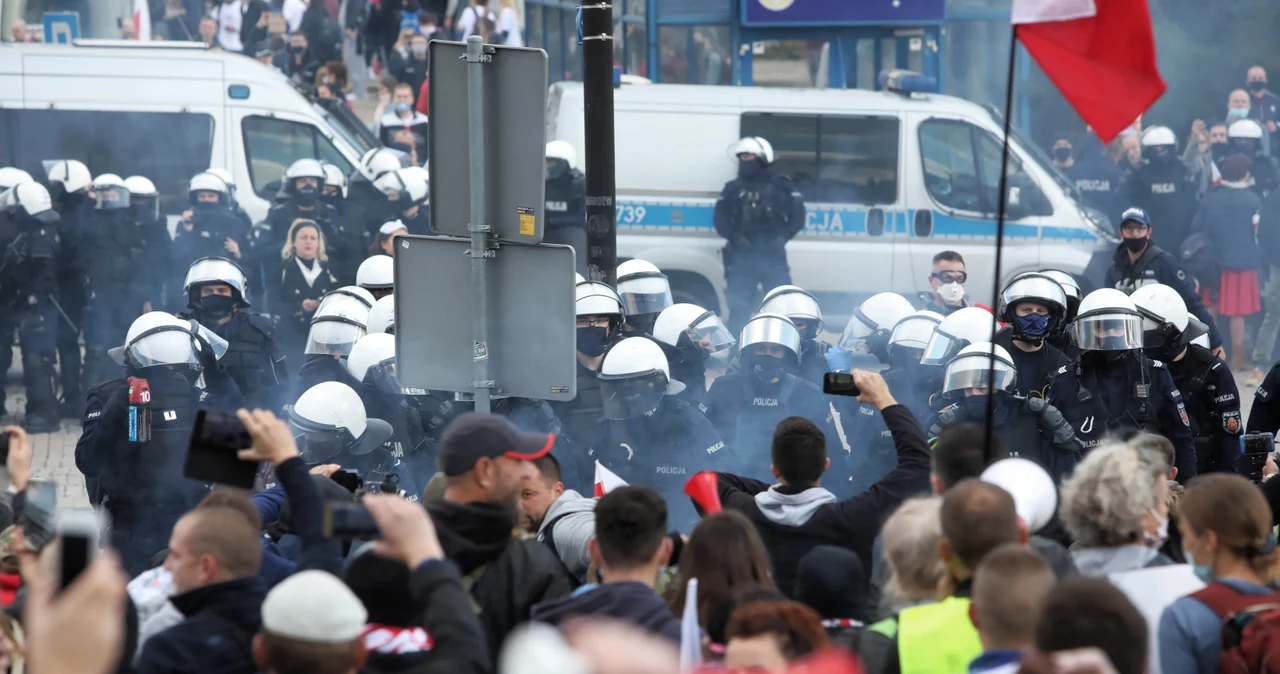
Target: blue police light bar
908 82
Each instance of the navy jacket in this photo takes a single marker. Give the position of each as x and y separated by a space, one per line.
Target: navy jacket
1166 192
629 601
1213 405
786 206
1157 265
1264 417
1226 216
1096 178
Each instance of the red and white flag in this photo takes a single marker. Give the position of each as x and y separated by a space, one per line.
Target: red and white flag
1101 54
142 19
606 480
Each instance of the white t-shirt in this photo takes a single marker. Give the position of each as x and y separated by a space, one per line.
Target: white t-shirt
293 11
509 23
468 21
229 17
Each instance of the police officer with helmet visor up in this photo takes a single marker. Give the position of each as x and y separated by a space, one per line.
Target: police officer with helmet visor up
113 274
566 201
688 335
598 312
645 292
377 274
1112 388
209 229
1033 306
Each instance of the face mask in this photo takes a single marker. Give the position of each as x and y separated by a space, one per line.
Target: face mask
1238 113
330 81
1135 245
748 168
976 406
297 51
308 195
419 50
1219 151
1160 153
205 206
767 368
591 341
951 293
1202 571
1035 326
400 108
217 306
1257 85
1162 531
1062 153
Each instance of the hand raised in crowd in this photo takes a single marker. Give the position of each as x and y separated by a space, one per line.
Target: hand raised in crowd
873 389
309 305
407 531
326 469
91 608
19 462
232 247
272 439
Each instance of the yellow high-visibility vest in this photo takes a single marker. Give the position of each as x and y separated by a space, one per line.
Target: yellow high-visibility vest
937 638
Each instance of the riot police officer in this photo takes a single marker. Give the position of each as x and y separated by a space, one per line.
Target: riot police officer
688 335
970 325
1034 306
1208 389
868 330
647 436
233 204
112 265
1029 428
405 191
757 214
802 308
302 185
1058 335
28 292
745 406
1088 168
911 382
68 182
1264 417
153 230
598 312
332 426
334 193
138 477
11 176
1245 137
382 316
1113 388
377 274
371 203
1139 261
566 202
1161 185
645 292
209 229
217 290
372 363
339 322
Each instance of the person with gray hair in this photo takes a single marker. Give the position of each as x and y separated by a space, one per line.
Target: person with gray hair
910 537
1115 508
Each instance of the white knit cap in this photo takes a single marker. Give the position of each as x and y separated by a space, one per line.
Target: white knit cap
313 606
393 226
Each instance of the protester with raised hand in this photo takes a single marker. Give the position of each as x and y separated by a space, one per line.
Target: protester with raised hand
78 630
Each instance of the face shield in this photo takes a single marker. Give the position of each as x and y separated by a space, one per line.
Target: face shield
111 197
709 334
975 371
645 293
1111 329
333 335
941 348
164 345
215 270
798 306
319 443
628 396
145 208
913 332
393 187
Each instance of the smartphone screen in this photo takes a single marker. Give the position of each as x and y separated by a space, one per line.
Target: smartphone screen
39 513
348 520
77 543
211 454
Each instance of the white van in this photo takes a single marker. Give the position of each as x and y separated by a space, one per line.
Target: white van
166 110
889 180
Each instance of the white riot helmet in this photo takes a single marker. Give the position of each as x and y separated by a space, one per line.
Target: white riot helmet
382 317
73 175
208 182
773 329
1245 136
1167 326
208 270
1035 289
633 378
1108 321
339 322
685 326
911 335
644 290
753 145
360 294
332 418
1159 142
30 200
158 338
378 272
403 187
970 325
144 192
1069 286
110 192
593 298
382 160
372 350
299 170
872 321
10 176
561 159
973 366
578 278
225 176
334 177
797 304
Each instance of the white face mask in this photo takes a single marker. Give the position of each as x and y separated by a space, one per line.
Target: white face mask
1161 535
951 292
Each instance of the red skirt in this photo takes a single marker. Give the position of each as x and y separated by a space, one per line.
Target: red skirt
1238 293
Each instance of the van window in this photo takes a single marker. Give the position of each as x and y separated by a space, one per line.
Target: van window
167 147
958 178
271 145
833 158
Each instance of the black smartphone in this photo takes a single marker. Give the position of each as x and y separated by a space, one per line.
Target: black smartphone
77 543
349 479
839 384
211 454
1254 449
348 520
39 512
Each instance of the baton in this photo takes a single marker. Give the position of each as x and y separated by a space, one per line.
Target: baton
65 317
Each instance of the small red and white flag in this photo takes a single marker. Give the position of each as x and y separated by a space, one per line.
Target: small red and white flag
1101 54
142 20
606 480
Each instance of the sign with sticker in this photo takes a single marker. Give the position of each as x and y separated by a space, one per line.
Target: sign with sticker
527 223
482 353
559 389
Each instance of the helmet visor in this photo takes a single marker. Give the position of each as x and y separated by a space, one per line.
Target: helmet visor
710 334
1108 331
645 295
111 197
333 337
391 185
975 371
632 395
856 332
215 270
166 345
941 348
317 445
913 332
208 338
794 305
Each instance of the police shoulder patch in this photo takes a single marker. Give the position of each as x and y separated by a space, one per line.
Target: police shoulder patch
702 407
1062 370
93 415
1182 412
1157 363
1231 422
1262 394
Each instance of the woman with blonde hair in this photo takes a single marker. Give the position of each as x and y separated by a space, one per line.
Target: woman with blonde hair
509 24
1228 540
297 285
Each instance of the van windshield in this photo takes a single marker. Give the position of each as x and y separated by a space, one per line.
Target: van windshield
1039 155
346 125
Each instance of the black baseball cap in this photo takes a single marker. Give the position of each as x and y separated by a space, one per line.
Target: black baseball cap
473 436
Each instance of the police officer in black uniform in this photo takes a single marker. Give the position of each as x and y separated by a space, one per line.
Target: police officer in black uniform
1161 185
566 208
110 257
1058 335
1264 417
1208 389
1034 306
1245 137
303 182
757 214
216 290
369 201
599 323
209 229
28 293
802 308
136 478
1139 261
1085 165
688 335
153 235
68 182
1112 388
406 192
1029 428
339 322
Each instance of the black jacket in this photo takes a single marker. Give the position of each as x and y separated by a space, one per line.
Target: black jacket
1157 265
629 601
457 640
812 517
286 289
1035 368
508 576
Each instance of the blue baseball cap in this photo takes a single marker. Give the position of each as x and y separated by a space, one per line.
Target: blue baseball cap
1136 215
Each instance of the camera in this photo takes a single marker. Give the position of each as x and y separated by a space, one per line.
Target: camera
212 455
840 384
1254 450
348 520
390 485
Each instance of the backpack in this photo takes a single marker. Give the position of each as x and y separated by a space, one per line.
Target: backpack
1250 629
1200 259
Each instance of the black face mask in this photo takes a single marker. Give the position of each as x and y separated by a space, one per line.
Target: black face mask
1164 352
767 368
307 196
1135 245
748 167
297 51
591 341
205 206
976 406
217 306
1257 85
1219 151
1062 153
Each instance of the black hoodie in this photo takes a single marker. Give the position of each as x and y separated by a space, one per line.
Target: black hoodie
507 577
633 602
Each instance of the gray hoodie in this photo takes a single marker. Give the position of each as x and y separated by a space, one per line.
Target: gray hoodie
792 510
571 520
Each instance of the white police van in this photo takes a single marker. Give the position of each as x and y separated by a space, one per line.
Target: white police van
889 179
166 110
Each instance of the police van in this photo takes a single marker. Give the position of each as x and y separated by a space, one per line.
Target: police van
889 179
166 110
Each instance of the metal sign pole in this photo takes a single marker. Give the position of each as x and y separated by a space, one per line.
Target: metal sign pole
480 251
597 87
